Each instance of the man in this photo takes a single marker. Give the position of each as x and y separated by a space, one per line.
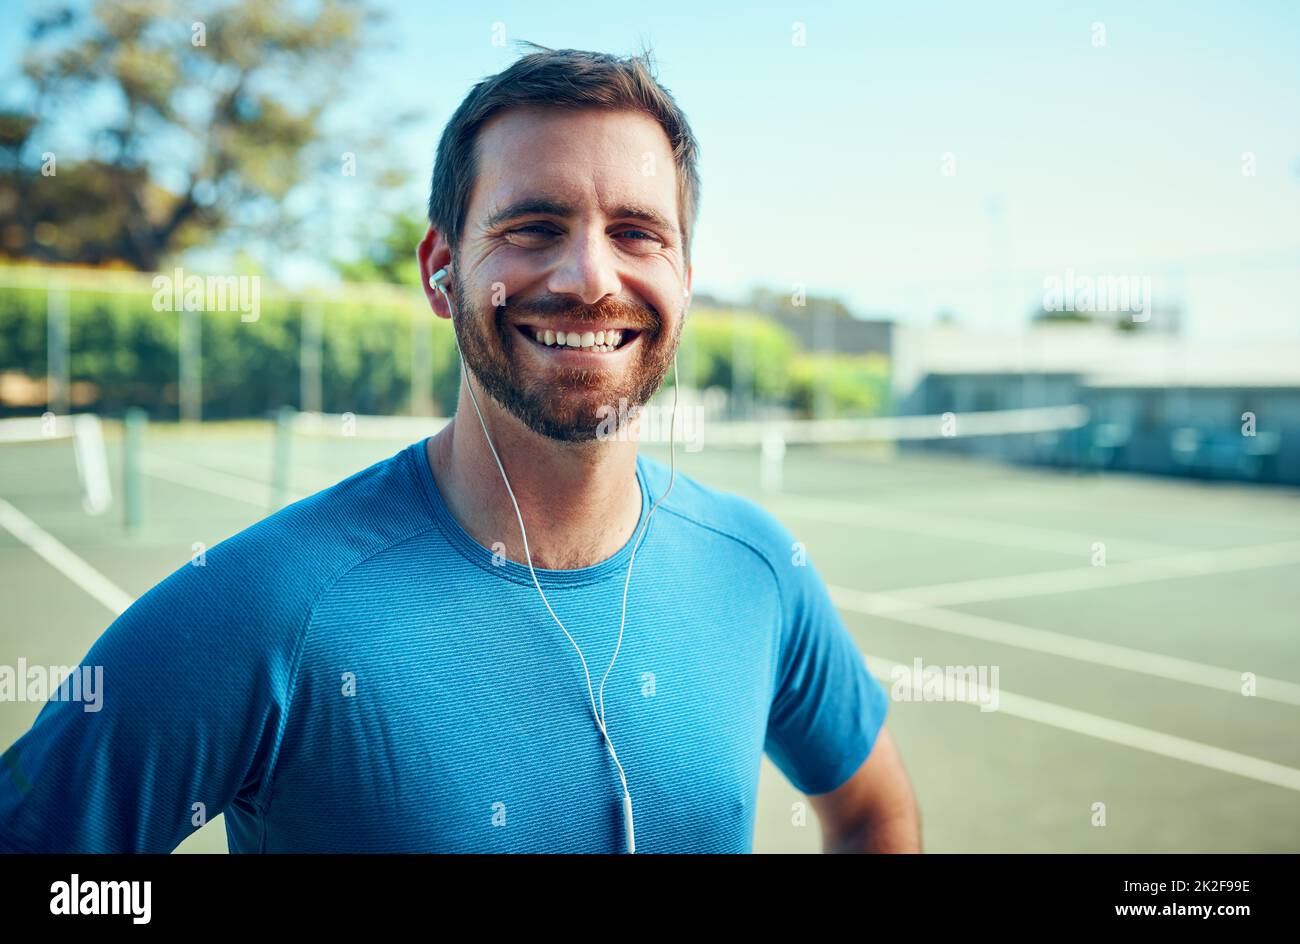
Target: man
381 667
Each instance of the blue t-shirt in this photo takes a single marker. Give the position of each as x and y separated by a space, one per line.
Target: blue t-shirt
355 673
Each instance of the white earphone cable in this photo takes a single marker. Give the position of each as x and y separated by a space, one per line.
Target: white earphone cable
672 447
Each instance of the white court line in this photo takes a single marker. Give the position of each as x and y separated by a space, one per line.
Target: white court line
1127 735
63 560
1000 533
1240 509
918 605
1074 579
209 480
256 470
1069 647
1058 716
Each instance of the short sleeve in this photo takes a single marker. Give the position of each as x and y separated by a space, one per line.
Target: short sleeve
827 709
174 715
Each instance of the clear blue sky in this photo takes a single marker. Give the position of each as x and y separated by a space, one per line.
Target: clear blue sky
821 164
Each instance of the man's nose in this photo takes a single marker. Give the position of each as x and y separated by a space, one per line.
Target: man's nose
587 269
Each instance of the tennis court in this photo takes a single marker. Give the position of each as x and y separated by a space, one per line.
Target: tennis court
1114 617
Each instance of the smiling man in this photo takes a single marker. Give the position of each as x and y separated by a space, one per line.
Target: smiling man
517 635
563 203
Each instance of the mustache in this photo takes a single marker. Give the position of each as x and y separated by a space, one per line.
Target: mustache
606 310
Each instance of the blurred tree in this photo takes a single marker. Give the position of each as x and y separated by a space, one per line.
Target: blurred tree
1046 316
391 254
858 384
771 302
191 119
715 336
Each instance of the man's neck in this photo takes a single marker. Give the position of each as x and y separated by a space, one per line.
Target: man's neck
580 501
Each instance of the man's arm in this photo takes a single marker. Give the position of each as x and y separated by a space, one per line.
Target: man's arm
875 810
191 686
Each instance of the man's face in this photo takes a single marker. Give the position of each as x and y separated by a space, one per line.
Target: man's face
572 231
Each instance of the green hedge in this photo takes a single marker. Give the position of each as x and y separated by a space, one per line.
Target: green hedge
128 352
859 386
715 339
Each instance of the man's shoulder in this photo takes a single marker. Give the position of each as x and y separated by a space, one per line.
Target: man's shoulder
383 501
727 515
278 567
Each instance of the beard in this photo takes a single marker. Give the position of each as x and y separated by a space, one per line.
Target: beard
570 404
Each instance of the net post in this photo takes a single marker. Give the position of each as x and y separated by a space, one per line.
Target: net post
92 463
772 463
58 330
284 421
132 468
310 356
191 365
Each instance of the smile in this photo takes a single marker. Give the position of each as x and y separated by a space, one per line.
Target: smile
604 341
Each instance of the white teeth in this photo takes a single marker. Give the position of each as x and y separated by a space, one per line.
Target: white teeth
602 341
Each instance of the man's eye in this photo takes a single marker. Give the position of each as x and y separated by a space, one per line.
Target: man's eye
541 229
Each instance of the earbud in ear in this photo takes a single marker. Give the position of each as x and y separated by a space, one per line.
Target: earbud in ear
435 282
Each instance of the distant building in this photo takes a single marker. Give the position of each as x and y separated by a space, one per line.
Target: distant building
825 324
842 335
1156 404
1162 318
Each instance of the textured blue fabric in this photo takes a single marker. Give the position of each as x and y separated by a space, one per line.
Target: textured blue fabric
356 673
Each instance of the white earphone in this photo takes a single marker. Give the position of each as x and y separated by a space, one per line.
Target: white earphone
435 281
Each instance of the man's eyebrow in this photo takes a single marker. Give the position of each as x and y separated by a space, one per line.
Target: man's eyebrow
646 215
547 207
527 207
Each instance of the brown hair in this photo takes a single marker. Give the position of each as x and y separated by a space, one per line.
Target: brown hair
559 78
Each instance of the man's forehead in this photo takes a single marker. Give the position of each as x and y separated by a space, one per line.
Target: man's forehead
616 160
621 139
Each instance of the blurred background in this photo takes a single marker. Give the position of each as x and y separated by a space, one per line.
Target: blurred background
996 308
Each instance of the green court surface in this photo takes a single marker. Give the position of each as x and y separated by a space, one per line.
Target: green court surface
1120 614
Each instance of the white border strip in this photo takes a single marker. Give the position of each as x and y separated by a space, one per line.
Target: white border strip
1127 735
63 560
1069 647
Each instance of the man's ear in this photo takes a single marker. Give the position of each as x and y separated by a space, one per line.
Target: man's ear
433 254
